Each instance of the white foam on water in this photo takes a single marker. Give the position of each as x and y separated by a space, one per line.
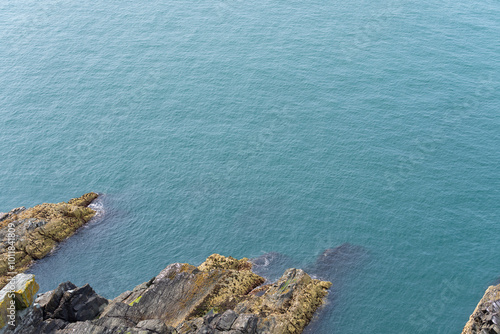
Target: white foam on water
98 206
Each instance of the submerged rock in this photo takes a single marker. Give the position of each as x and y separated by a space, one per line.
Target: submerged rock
338 265
486 317
215 297
335 263
30 234
332 264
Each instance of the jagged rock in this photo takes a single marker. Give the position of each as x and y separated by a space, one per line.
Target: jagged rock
214 298
31 322
245 323
486 316
88 327
80 304
182 291
50 301
30 234
226 320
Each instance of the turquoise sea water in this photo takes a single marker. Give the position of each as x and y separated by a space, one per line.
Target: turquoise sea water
245 127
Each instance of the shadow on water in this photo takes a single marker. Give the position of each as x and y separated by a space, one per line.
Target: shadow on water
334 264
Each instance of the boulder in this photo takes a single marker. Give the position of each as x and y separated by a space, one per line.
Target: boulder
25 289
80 304
50 301
22 288
245 323
226 320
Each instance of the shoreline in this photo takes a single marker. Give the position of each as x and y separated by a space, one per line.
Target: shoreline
222 295
29 234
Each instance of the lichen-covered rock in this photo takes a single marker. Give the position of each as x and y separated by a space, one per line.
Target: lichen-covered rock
25 290
213 298
216 261
30 234
182 291
288 305
17 295
486 317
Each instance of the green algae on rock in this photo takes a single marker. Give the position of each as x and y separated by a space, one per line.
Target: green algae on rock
30 234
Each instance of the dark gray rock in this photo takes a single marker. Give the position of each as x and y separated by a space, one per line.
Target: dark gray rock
80 304
87 327
226 320
49 301
178 284
27 323
116 310
155 326
245 323
115 324
31 322
205 330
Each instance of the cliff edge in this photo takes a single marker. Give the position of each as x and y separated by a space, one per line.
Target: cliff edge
486 317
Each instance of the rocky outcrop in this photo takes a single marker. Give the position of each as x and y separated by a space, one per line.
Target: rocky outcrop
56 309
222 295
17 295
30 234
486 316
338 265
